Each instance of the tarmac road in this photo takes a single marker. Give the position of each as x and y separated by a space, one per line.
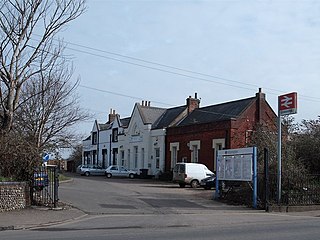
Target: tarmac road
148 209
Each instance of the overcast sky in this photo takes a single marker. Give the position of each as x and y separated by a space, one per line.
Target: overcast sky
164 51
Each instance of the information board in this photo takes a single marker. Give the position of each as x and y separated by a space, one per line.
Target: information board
235 164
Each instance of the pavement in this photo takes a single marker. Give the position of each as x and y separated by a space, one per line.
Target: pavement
33 217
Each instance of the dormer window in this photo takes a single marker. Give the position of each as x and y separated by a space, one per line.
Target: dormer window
115 135
94 138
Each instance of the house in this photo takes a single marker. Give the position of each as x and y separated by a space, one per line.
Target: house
222 126
137 142
101 146
145 135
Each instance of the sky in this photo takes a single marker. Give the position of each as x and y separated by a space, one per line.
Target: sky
126 51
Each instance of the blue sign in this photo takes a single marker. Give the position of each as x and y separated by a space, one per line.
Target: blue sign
46 157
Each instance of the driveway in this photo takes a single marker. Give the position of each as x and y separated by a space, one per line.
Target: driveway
99 195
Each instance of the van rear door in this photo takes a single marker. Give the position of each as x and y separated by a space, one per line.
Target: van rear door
179 173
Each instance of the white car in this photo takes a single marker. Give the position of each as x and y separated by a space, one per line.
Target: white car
119 171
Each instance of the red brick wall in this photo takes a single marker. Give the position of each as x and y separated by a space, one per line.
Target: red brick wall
203 132
234 132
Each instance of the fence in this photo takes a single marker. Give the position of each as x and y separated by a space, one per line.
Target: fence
297 189
44 186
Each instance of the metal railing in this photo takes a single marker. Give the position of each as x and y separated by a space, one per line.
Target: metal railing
44 186
297 189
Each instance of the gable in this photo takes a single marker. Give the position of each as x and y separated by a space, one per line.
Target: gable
135 120
95 126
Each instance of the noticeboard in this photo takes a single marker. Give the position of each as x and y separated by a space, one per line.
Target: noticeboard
235 164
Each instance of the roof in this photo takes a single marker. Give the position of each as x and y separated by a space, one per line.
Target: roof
125 122
103 126
168 117
218 112
150 114
88 138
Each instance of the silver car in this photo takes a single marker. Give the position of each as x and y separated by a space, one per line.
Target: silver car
88 170
119 171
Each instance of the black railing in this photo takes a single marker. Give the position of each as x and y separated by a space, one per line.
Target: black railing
44 186
297 189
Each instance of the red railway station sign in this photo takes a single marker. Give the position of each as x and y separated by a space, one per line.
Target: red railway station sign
287 104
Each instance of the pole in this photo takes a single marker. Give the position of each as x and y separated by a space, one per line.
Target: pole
255 180
279 155
217 194
266 178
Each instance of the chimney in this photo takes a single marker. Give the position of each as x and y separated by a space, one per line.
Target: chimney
193 103
261 97
112 115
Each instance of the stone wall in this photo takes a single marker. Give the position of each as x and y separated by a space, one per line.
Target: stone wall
14 195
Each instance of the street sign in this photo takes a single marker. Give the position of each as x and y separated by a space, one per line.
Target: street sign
46 157
287 104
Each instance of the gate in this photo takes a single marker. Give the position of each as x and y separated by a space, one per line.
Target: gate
44 186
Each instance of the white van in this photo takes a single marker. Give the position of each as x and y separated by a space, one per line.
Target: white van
190 174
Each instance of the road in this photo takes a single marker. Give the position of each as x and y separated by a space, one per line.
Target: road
148 209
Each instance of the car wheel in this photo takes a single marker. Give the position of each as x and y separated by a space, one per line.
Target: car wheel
207 187
131 175
87 174
194 183
182 185
109 175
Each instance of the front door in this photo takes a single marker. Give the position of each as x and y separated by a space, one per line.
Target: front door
115 156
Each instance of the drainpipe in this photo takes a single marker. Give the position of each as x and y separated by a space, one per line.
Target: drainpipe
110 150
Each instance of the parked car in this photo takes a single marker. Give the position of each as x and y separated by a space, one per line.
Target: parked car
88 170
190 174
208 182
119 171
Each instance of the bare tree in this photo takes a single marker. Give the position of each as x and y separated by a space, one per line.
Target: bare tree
27 29
49 107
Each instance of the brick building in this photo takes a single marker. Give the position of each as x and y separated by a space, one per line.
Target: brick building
222 126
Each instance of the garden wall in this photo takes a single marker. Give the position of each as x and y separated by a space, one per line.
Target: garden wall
14 196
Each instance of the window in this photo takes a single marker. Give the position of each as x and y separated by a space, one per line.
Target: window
122 158
174 154
114 168
194 147
94 138
115 135
135 157
157 158
129 158
217 144
142 157
174 148
194 156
